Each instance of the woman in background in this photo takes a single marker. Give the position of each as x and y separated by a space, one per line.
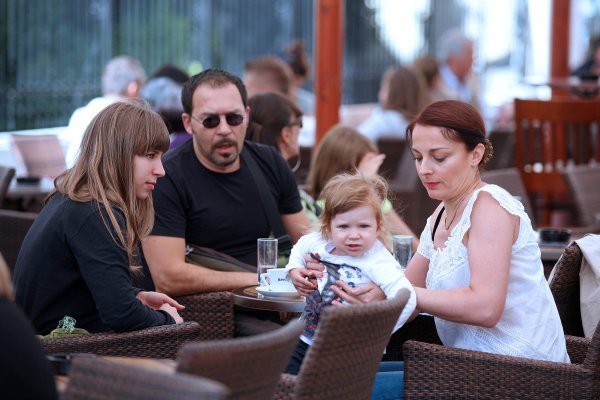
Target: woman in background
401 96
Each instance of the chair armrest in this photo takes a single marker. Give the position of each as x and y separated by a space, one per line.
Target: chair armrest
577 347
421 329
434 371
155 342
285 387
212 311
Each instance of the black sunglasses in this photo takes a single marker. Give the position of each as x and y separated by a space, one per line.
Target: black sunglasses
213 120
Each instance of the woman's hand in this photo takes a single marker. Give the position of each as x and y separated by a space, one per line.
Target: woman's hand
362 294
156 300
305 279
370 163
172 311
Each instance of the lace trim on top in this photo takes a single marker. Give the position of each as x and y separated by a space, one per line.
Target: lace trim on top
445 260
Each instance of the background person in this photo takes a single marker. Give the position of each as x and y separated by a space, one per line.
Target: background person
430 70
401 97
268 74
26 373
122 79
297 59
276 121
164 96
81 251
455 55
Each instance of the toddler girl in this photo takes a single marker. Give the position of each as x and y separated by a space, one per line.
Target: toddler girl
350 244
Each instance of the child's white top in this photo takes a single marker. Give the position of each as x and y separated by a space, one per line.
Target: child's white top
530 325
377 265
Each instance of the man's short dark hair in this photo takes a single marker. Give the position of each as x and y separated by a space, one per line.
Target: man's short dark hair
214 77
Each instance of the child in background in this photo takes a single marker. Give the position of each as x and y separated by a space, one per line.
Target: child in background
350 244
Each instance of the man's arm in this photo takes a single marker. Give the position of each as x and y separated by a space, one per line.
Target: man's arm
296 224
173 276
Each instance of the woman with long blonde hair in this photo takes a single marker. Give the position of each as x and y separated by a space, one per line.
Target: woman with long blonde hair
79 256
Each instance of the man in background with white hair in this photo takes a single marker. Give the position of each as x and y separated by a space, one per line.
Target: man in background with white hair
455 54
122 78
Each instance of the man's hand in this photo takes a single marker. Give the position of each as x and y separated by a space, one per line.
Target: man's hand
362 294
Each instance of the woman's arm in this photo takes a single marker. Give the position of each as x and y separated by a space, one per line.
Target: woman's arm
489 242
104 266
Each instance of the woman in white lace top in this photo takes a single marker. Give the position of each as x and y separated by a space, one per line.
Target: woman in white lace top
478 268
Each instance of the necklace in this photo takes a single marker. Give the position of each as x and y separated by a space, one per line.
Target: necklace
446 224
464 196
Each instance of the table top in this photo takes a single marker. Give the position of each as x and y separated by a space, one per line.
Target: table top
41 189
249 298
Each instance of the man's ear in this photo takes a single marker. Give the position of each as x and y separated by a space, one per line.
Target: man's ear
187 122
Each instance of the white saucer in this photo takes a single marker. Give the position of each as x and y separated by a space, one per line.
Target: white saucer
265 291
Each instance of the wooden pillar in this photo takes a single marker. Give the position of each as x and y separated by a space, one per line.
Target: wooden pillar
559 45
328 63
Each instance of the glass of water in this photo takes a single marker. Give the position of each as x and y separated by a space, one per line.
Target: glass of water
266 256
402 249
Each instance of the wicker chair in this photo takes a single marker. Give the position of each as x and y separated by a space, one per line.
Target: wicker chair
97 378
564 285
212 311
156 342
344 357
250 366
439 372
13 228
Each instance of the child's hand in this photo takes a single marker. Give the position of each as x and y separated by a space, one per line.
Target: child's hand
314 265
303 280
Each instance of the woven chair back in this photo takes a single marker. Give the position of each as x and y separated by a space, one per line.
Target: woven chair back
564 285
156 342
97 378
348 346
249 366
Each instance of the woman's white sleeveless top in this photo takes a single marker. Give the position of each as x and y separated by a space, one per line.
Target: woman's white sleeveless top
530 325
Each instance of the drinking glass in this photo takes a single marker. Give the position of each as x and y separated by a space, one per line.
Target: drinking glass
402 249
266 256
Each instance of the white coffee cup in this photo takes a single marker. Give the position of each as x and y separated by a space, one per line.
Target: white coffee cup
277 280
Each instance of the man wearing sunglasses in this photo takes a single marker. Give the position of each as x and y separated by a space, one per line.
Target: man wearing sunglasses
209 196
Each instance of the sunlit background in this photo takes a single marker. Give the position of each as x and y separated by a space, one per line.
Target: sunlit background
52 53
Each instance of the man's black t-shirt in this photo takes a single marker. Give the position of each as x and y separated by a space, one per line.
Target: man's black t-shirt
222 211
